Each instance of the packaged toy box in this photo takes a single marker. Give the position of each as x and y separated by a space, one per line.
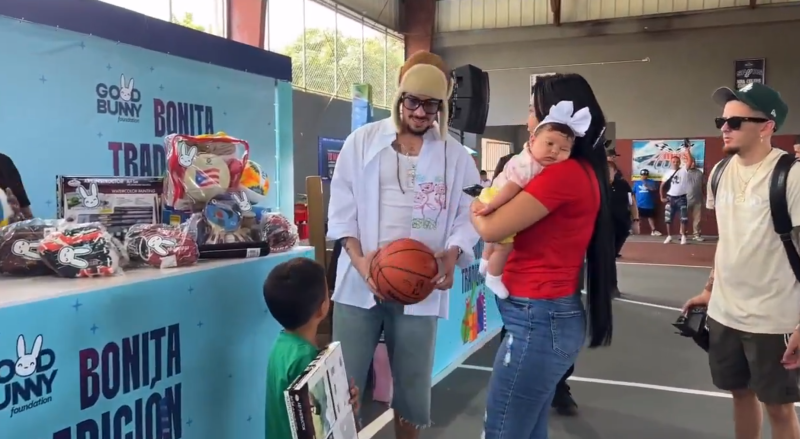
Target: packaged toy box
318 402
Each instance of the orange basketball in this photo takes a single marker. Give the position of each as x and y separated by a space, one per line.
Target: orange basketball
403 271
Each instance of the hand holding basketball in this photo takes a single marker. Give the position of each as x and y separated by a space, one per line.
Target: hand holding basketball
362 266
404 271
447 259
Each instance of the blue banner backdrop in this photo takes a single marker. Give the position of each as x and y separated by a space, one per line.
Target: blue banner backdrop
78 104
107 359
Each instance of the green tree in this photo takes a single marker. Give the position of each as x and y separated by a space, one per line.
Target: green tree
188 21
331 62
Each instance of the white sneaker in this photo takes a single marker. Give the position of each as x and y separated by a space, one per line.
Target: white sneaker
683 239
655 233
668 240
699 238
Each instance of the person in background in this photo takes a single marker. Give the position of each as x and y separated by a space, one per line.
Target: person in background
694 194
752 294
645 189
561 218
623 208
11 182
296 295
673 190
382 170
797 147
485 182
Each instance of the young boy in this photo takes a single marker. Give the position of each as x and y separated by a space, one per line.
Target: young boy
550 142
296 293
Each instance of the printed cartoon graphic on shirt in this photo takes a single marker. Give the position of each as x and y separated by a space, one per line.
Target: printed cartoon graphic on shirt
429 202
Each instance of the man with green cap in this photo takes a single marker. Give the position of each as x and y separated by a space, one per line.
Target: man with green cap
752 295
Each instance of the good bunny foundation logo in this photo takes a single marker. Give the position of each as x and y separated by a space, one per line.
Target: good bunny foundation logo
27 380
123 101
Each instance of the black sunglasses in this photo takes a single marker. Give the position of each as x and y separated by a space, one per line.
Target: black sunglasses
430 106
736 122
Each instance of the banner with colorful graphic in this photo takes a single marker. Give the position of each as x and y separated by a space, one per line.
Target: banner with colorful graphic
656 155
328 154
76 104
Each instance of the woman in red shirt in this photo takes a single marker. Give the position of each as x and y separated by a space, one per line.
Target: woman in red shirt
559 218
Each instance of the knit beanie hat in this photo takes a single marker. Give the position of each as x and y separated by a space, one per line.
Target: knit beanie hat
425 74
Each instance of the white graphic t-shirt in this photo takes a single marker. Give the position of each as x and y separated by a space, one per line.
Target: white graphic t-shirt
679 184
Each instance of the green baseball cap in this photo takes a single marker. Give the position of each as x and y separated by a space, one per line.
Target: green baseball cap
757 96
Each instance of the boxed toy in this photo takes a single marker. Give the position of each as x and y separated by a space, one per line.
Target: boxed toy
117 203
318 401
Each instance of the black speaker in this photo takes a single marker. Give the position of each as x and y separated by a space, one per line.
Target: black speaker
469 105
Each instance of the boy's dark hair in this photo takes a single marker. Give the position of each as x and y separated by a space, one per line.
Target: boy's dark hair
483 172
294 291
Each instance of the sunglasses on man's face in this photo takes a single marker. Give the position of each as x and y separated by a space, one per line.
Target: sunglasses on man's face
735 122
430 106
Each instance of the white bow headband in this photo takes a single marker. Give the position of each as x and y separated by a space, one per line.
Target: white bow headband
562 113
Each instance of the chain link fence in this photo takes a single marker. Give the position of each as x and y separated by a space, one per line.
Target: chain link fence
336 49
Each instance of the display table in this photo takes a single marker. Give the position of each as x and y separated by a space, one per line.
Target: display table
113 351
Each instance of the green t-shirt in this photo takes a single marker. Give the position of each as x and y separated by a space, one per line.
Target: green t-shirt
289 358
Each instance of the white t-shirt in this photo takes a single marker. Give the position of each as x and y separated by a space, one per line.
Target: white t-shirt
679 184
396 208
755 289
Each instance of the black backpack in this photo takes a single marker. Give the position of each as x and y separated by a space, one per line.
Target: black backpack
778 205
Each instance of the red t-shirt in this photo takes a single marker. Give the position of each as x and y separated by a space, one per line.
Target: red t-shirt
547 256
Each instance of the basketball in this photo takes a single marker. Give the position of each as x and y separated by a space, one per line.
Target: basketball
403 271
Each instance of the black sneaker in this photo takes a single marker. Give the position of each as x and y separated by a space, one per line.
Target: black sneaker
564 404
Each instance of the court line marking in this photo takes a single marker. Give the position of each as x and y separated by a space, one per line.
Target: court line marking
670 389
663 265
636 302
369 431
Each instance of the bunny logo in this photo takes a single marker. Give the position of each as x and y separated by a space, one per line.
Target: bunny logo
26 249
25 371
186 154
26 363
242 201
89 198
72 256
122 101
125 91
160 245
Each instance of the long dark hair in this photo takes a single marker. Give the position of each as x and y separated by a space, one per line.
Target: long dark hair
501 164
600 267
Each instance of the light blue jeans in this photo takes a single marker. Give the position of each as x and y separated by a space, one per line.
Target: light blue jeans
410 341
543 338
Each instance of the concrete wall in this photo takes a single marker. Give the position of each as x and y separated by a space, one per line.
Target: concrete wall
667 97
318 116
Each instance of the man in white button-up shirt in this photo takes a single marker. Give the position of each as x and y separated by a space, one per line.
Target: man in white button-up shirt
400 178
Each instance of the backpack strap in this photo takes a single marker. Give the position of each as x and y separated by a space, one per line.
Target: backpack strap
779 208
717 175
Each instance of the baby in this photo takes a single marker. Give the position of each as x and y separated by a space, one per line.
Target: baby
550 142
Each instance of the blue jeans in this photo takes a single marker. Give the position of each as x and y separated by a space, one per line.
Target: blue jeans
542 341
410 341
